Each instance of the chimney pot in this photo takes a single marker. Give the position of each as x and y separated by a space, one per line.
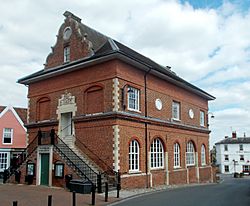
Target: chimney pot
234 135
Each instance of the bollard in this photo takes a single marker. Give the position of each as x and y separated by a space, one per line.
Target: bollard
14 203
99 183
93 194
50 200
74 198
106 191
118 184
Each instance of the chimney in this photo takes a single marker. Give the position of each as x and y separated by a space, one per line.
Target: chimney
234 134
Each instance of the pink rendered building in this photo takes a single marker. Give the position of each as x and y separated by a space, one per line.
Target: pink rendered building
12 135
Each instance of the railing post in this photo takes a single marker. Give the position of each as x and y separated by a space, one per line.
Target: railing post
118 184
99 183
39 135
50 200
106 191
73 198
93 194
52 136
14 203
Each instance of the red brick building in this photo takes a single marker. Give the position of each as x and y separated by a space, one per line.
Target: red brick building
117 110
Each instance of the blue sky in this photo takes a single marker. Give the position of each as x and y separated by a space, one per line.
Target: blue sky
205 42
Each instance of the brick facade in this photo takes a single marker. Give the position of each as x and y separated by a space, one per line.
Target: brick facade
104 127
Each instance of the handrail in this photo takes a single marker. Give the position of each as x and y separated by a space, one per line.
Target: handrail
10 169
109 169
79 159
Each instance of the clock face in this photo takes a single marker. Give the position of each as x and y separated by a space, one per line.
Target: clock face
158 104
191 113
67 33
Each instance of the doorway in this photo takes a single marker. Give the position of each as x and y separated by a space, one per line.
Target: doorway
66 124
44 172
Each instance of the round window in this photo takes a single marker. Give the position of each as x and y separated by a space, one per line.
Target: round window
67 33
158 104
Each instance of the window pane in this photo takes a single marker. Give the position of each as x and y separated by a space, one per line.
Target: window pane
134 156
157 154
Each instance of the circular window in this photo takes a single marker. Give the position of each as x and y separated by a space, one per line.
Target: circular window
67 33
158 104
191 113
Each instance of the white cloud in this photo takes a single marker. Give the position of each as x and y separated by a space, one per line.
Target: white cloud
209 47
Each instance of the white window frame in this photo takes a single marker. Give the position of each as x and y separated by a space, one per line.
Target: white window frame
226 158
241 147
242 158
9 133
203 155
176 110
202 118
190 154
66 54
227 168
4 161
225 147
133 95
177 163
156 154
134 156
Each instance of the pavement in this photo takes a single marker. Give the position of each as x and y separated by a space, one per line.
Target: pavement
30 195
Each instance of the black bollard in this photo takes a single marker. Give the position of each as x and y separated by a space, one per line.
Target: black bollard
15 203
106 191
93 194
74 198
50 200
99 183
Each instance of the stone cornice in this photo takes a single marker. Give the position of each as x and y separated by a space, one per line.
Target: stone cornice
46 123
140 119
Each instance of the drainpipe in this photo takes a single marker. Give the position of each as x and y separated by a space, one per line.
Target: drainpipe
146 125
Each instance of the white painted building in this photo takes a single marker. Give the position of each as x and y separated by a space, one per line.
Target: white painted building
233 154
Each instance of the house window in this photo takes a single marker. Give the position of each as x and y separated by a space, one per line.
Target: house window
202 118
226 158
225 147
176 110
226 168
241 147
7 135
176 155
241 157
133 156
3 160
203 155
66 54
190 154
246 168
133 99
157 154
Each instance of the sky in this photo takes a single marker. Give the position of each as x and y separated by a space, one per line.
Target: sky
206 42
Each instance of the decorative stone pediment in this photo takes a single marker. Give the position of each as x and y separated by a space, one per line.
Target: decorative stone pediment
66 99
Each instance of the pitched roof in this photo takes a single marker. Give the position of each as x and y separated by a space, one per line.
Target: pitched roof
106 48
238 140
21 112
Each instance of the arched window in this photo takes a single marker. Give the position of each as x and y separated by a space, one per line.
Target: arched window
176 155
190 154
157 154
203 155
43 109
94 100
134 156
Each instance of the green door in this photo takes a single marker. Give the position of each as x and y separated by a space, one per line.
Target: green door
44 179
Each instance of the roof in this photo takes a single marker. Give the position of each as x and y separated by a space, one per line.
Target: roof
238 140
106 48
21 112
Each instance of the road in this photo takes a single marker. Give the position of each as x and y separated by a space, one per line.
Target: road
230 192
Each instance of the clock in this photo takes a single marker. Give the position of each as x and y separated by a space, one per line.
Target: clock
191 113
158 104
67 33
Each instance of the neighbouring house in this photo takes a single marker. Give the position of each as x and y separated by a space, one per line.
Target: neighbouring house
99 107
233 154
13 136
